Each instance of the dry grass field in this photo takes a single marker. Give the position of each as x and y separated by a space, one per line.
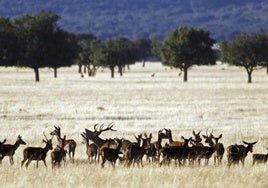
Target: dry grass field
216 97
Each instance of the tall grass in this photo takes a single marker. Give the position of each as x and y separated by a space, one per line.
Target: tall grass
215 97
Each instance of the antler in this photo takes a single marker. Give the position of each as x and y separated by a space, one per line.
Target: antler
45 135
109 127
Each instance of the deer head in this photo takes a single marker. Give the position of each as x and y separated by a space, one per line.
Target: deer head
250 145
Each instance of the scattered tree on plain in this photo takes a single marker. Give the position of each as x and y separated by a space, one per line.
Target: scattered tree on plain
35 41
247 50
188 46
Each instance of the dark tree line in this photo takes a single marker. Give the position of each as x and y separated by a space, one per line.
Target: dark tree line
36 41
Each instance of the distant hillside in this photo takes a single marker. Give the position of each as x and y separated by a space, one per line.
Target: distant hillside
148 18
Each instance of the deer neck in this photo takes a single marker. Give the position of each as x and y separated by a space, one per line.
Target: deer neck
16 145
46 148
98 141
170 139
159 141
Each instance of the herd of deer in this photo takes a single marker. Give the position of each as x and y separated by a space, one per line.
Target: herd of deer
130 153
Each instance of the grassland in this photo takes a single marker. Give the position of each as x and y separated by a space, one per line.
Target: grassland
215 97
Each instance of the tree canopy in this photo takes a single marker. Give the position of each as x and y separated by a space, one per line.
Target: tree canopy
246 50
35 41
188 46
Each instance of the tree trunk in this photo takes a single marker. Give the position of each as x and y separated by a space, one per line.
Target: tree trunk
85 69
120 70
112 71
249 76
55 72
143 63
185 72
36 71
79 68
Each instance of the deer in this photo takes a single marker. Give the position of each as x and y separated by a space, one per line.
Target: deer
236 153
174 152
110 154
135 152
91 149
218 147
101 143
260 158
197 139
9 149
173 143
37 153
57 155
1 147
155 147
69 142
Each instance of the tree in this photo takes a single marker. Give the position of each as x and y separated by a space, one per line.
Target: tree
65 50
246 50
9 43
83 40
186 47
90 55
44 43
156 46
119 52
144 49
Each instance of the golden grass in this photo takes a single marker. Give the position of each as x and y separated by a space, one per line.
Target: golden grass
215 97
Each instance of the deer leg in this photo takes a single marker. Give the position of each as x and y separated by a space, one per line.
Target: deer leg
102 164
22 162
45 163
28 162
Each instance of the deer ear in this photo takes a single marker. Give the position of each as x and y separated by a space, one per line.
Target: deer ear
182 137
194 133
254 142
44 141
204 136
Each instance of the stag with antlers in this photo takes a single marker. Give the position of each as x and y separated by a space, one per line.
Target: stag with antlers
37 153
236 153
63 143
9 149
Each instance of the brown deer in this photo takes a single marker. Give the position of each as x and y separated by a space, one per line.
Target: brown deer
110 154
9 149
218 147
155 147
1 147
69 142
57 155
236 153
173 143
174 152
91 149
197 139
260 158
36 153
135 152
